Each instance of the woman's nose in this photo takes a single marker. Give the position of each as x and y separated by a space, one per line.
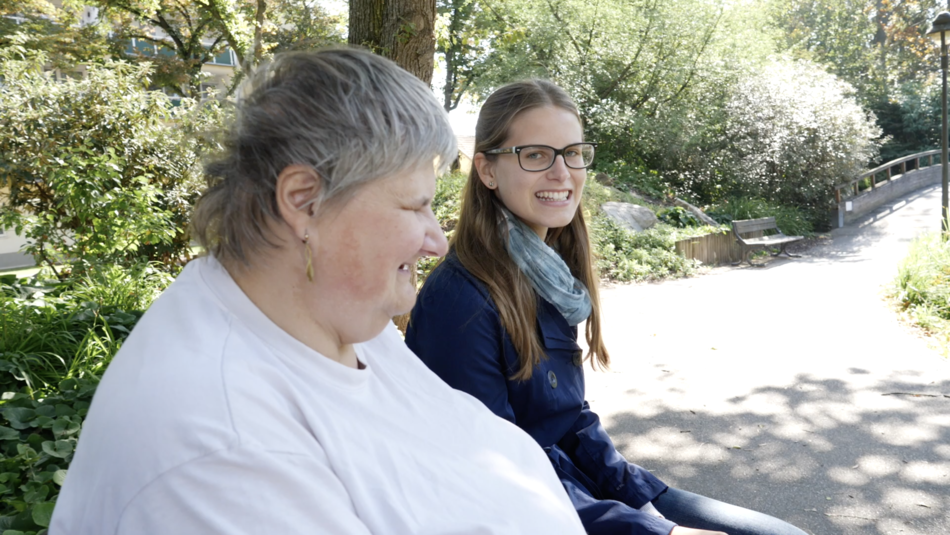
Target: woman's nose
435 243
559 170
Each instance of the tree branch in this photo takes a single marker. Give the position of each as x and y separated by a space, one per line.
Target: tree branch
627 70
557 17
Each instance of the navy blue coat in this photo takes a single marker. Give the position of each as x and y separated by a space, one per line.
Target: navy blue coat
456 330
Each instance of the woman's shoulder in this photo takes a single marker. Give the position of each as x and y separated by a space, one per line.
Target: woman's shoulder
451 285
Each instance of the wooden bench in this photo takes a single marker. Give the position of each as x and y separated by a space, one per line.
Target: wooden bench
765 224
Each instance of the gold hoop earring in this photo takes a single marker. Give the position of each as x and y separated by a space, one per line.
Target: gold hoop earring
306 242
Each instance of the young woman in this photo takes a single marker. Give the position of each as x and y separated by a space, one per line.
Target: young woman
498 317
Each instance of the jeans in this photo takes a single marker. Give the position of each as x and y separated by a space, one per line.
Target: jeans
695 511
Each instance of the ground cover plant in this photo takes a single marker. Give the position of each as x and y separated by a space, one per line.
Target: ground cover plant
56 340
922 287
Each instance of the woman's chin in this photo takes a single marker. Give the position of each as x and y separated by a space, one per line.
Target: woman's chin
404 303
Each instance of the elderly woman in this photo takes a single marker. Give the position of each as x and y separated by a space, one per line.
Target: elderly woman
267 390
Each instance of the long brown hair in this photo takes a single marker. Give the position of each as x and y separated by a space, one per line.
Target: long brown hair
480 245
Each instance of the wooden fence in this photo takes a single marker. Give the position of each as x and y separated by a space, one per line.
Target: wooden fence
713 249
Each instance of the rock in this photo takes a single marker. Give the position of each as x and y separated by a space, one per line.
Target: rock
632 216
696 212
604 178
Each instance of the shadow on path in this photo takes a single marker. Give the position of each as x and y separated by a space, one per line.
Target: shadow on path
789 389
823 455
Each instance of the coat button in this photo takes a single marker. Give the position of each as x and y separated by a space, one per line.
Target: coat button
578 357
552 379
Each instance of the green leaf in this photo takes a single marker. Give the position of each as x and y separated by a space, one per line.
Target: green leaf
19 417
60 449
7 433
43 513
64 410
34 440
59 477
25 450
68 384
44 422
64 427
35 493
43 477
46 410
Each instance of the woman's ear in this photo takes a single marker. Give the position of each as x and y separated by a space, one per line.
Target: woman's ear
486 170
297 186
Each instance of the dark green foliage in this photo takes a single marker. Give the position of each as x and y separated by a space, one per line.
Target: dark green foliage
677 216
37 440
56 340
911 122
634 177
99 170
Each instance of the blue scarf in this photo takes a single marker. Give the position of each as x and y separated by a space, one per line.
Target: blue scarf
546 270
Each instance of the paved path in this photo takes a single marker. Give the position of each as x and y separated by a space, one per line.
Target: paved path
705 395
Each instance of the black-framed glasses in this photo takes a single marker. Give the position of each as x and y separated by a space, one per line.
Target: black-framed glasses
541 157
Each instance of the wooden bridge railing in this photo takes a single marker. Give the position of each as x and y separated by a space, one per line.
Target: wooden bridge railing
853 186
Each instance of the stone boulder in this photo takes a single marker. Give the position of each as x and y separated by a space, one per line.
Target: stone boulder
632 216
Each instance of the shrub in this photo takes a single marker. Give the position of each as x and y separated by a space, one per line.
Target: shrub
98 170
677 216
795 131
922 286
625 256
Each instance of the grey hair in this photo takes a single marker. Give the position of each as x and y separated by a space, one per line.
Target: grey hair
352 116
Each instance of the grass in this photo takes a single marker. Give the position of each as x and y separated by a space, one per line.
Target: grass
922 287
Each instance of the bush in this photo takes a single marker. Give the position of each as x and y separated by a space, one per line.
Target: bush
783 131
795 132
98 170
677 216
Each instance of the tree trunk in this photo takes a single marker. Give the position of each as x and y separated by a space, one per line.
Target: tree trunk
401 30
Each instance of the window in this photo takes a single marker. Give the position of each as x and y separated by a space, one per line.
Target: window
226 57
165 51
139 46
173 96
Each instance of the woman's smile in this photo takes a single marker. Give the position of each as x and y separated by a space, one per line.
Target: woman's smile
554 197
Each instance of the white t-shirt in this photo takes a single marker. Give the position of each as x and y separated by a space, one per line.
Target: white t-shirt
211 419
